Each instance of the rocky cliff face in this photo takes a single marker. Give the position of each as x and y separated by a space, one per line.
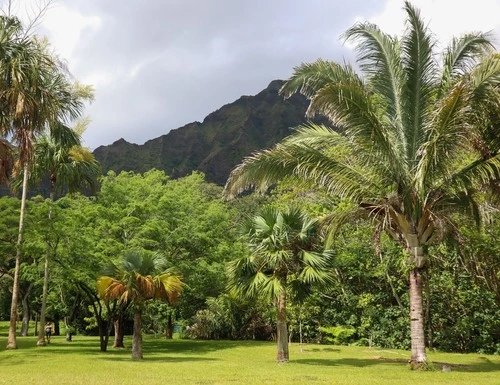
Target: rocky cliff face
216 145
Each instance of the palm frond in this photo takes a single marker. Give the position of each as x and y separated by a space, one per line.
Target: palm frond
309 78
379 58
447 134
103 283
306 165
343 213
477 173
420 73
462 55
486 74
349 106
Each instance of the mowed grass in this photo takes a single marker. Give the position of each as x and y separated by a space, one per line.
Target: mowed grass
229 362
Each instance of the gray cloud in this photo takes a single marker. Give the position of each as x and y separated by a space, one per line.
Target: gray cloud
160 64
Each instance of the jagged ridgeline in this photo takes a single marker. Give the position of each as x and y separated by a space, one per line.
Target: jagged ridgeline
217 144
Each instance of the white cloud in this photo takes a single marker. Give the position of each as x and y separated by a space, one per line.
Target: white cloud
64 28
445 18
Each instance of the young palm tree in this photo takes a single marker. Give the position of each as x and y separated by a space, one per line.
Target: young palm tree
133 282
34 92
283 259
414 138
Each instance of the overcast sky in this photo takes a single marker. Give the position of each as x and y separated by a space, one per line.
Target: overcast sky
159 64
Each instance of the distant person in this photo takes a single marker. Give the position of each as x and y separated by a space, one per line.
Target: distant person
48 331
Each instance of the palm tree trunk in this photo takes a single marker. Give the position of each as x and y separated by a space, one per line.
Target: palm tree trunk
119 330
169 331
137 336
281 329
11 341
418 355
41 333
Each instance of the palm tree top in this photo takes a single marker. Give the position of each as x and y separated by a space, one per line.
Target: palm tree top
413 131
135 280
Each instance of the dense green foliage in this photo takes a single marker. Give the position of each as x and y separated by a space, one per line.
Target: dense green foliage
367 294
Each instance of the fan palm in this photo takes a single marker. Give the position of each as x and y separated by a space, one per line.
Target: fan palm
34 92
415 138
283 258
133 282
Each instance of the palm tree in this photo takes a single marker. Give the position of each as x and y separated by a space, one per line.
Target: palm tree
283 259
34 92
58 155
133 282
414 138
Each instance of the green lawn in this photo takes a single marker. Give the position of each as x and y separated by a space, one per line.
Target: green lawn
229 362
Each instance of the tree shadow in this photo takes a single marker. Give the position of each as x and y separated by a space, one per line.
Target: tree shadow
189 346
156 358
486 365
357 362
315 350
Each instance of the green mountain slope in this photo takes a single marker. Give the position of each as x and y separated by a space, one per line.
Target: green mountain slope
217 144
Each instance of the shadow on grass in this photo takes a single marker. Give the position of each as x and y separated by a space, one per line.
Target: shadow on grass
322 350
357 362
486 365
153 349
158 358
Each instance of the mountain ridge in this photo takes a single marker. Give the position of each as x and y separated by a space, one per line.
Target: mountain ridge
215 145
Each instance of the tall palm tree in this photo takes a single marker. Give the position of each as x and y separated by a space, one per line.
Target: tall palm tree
59 156
283 258
133 282
414 138
34 91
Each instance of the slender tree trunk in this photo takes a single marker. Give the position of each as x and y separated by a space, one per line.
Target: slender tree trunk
11 341
119 331
281 329
418 355
137 336
103 334
300 327
41 333
169 332
26 311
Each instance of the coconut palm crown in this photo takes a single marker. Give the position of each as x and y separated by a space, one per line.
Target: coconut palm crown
415 136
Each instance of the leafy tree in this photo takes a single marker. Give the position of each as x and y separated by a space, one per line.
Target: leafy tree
185 219
283 258
133 282
414 138
59 155
80 261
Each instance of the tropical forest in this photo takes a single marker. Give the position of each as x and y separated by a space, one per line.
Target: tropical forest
360 246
